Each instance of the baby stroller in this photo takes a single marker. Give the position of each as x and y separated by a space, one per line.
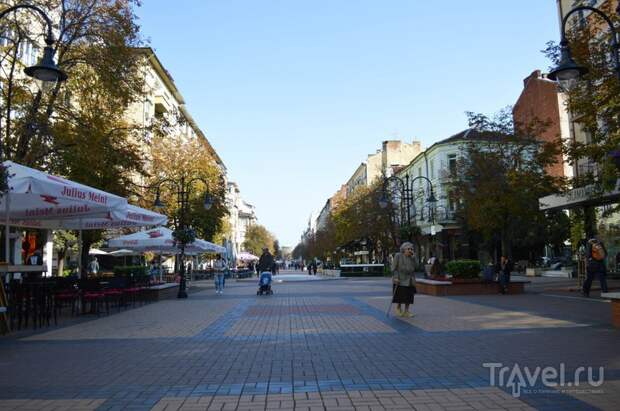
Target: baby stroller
264 284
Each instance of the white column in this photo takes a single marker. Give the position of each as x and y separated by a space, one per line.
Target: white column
48 253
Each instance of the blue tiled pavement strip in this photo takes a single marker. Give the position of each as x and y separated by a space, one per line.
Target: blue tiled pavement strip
319 344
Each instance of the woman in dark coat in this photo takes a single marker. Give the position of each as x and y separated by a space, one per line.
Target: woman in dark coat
403 279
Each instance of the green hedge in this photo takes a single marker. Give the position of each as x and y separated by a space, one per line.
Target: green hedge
464 268
131 271
359 272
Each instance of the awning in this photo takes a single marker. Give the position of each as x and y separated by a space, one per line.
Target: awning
580 197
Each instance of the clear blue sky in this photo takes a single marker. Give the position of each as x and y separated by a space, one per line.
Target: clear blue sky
293 94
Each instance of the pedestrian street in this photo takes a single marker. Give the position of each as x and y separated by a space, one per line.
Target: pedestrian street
324 344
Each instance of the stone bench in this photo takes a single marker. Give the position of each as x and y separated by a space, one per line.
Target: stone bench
447 288
615 307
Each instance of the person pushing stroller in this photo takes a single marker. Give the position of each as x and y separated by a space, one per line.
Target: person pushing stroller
264 284
265 264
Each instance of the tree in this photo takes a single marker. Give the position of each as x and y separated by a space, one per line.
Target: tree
63 242
256 238
173 157
277 252
501 177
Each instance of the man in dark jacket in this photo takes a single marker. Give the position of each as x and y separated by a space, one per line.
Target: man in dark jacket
596 253
265 263
505 268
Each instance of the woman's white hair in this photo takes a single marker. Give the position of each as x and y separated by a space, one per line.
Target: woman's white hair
405 245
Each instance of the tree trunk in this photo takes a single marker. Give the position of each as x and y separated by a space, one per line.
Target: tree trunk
62 253
506 245
86 243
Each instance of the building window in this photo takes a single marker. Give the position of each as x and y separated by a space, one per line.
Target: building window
452 164
432 167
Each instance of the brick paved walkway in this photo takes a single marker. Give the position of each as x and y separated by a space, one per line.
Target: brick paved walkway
315 345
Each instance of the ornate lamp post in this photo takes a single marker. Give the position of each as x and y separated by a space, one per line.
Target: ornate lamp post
183 233
568 71
45 70
405 188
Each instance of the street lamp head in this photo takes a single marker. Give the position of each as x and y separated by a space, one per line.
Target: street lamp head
46 69
431 198
568 71
383 201
158 205
208 202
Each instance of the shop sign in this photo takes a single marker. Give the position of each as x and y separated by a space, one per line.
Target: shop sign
577 197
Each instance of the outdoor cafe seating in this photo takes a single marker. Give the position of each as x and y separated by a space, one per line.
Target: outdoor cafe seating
37 302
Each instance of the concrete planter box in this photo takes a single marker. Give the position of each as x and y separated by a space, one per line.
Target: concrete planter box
533 272
166 291
448 288
330 273
615 307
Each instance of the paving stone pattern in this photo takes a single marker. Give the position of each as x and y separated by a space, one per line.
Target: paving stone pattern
314 345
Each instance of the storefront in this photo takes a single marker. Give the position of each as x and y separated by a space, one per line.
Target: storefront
604 222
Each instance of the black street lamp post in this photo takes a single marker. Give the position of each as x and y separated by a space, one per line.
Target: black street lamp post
568 71
183 234
46 69
406 190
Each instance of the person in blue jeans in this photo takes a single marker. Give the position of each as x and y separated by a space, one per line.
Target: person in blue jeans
220 270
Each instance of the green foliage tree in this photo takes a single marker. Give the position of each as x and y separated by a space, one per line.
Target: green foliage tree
258 237
175 157
501 177
277 252
357 217
64 241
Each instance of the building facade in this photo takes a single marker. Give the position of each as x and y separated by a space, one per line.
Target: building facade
540 101
393 154
242 216
441 235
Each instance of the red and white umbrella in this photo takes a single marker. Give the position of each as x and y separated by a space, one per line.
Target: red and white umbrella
161 240
129 216
35 195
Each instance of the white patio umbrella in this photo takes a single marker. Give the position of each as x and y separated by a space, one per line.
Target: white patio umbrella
40 200
245 256
96 251
36 195
124 253
127 216
159 239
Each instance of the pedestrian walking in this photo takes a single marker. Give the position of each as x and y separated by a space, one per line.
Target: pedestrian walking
403 279
265 262
219 272
595 265
505 268
93 266
314 267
